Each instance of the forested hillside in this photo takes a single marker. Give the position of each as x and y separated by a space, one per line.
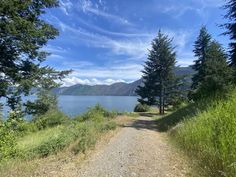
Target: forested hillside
117 89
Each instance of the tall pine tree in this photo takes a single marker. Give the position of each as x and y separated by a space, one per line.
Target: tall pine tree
217 73
231 29
213 74
158 73
201 47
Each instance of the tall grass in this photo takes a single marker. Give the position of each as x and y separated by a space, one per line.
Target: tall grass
53 132
210 136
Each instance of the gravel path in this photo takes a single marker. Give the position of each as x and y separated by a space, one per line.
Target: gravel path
137 150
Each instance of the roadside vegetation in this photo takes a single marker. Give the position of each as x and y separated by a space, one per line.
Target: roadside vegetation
208 135
52 132
142 108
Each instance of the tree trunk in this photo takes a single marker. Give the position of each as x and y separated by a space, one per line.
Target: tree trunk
161 106
163 101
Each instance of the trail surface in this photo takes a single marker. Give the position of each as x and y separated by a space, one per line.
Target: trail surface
137 150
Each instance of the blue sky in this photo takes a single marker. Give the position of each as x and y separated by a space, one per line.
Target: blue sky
106 41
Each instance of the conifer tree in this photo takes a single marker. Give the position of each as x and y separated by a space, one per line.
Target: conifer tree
231 29
158 73
214 74
201 47
22 35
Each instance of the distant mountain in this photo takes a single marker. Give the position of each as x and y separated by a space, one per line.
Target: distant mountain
117 89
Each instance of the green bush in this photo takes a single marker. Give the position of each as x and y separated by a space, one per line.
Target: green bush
97 113
89 133
87 139
52 140
141 108
52 132
7 142
53 144
50 119
210 137
26 127
111 125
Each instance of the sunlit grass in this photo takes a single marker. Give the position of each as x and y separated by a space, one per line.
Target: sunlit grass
34 139
210 137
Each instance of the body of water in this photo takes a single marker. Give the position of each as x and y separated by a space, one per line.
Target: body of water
75 105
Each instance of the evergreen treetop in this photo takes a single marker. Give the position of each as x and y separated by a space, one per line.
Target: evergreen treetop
231 29
201 47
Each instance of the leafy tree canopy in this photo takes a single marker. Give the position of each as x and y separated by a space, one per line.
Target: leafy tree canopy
22 35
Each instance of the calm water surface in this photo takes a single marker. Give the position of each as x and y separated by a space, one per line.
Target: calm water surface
75 105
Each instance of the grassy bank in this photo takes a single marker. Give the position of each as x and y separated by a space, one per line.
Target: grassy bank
52 133
206 131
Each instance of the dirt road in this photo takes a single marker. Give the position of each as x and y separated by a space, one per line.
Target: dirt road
138 150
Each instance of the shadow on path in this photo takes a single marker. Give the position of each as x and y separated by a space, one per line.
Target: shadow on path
148 114
144 123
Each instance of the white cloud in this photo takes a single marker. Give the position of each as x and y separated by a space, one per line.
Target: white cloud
78 64
199 6
88 7
113 33
126 71
55 56
54 49
75 80
134 46
65 6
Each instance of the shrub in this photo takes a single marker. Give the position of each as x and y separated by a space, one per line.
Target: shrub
96 113
89 133
87 139
52 140
25 127
141 108
92 115
111 125
53 144
50 119
56 132
7 142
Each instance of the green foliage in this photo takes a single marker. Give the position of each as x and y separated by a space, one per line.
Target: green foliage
45 101
52 132
209 135
212 72
141 108
50 119
200 50
231 29
7 142
89 133
82 136
159 81
97 113
23 34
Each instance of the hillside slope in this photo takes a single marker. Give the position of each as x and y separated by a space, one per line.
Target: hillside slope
117 89
206 130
